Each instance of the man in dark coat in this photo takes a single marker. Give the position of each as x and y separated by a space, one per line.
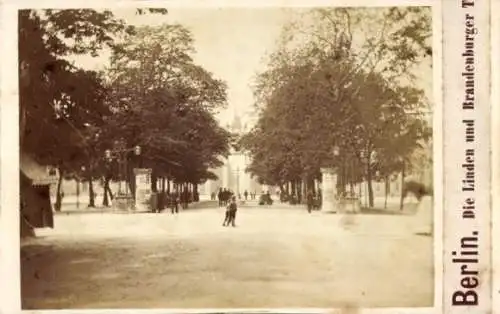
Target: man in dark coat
220 197
231 213
310 201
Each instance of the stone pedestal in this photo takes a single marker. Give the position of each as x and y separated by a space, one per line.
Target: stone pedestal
124 202
329 190
142 188
350 205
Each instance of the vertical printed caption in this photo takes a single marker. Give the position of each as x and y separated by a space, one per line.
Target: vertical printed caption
467 286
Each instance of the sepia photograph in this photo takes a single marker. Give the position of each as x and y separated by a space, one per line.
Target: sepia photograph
226 157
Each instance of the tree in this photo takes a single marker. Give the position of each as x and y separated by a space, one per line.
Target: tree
325 83
165 103
58 100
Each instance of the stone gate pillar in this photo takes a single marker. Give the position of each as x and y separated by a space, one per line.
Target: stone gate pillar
329 190
142 188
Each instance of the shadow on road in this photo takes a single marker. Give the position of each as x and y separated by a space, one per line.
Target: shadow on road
408 210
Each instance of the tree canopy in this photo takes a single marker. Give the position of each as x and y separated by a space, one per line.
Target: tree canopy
152 95
342 79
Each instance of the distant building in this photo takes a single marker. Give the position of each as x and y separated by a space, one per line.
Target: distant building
232 174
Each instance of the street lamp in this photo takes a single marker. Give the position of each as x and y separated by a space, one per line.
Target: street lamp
78 188
336 151
121 156
336 154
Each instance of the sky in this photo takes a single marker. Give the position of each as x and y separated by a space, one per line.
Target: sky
232 44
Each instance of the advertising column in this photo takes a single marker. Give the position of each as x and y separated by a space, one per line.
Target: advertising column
143 188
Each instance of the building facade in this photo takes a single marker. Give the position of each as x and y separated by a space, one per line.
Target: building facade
233 175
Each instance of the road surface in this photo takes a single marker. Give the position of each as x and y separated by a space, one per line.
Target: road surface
275 257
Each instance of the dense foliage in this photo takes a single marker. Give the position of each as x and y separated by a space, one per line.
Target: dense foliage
342 80
152 95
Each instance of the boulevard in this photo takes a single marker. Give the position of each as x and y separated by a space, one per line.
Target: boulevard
277 256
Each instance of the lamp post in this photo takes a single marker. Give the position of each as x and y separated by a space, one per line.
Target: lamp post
336 154
120 154
78 188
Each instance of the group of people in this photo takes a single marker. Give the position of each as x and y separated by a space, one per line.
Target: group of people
175 200
227 198
224 196
231 209
252 195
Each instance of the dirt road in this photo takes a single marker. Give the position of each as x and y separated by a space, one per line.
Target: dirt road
273 258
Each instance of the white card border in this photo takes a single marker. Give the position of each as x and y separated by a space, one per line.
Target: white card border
10 133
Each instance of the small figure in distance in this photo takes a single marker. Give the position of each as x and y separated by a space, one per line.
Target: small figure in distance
231 213
310 200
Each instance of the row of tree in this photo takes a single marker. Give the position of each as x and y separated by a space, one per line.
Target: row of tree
151 95
339 92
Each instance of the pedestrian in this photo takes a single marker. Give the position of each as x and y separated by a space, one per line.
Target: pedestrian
246 195
310 200
227 218
220 196
175 203
225 194
231 213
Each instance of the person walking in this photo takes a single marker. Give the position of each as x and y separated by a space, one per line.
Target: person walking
310 200
220 196
246 195
231 213
175 203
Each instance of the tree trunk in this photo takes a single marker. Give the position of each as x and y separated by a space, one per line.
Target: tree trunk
351 177
91 192
370 186
305 186
386 180
105 201
58 204
130 178
154 182
107 191
403 191
195 193
299 191
312 185
339 184
343 178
